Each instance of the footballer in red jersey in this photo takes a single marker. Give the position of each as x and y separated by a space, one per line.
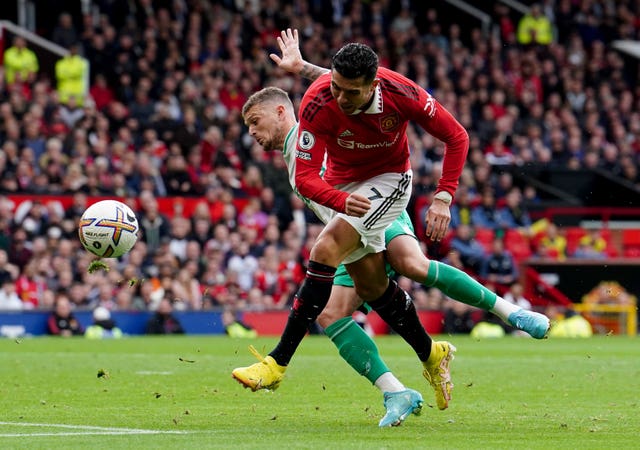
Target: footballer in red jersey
357 117
366 141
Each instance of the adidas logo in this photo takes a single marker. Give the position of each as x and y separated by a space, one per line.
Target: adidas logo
346 133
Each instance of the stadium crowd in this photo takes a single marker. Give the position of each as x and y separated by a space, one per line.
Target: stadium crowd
162 119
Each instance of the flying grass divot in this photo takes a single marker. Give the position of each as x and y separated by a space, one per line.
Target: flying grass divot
96 265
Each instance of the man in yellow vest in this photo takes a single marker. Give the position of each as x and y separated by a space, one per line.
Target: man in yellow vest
20 63
235 328
535 28
72 73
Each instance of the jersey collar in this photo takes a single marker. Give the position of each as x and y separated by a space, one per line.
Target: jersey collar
293 133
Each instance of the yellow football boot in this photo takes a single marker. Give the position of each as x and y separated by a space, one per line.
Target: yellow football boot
436 371
266 374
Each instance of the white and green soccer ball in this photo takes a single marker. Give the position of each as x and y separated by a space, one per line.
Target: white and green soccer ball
108 229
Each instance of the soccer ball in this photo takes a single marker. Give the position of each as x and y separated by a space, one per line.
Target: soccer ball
108 229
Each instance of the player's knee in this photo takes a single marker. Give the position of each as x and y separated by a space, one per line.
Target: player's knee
326 318
412 267
372 289
325 250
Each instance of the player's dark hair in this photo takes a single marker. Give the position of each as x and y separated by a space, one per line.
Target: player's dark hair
356 60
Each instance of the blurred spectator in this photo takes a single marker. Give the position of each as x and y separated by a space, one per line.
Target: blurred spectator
187 289
163 321
20 63
19 252
187 133
64 34
8 271
62 321
527 84
176 177
9 299
103 326
253 217
552 244
180 228
513 214
471 252
499 266
236 328
485 215
458 317
591 246
154 225
100 92
30 284
71 75
244 265
515 295
497 153
461 210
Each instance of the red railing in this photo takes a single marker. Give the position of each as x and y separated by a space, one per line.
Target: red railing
605 213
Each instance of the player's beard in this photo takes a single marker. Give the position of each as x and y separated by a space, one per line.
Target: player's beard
274 142
268 145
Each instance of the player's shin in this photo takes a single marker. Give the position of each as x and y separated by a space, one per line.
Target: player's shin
396 308
459 286
310 300
356 348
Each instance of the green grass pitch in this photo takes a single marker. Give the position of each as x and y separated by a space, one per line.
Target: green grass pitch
177 392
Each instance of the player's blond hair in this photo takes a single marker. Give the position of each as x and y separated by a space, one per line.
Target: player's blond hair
267 95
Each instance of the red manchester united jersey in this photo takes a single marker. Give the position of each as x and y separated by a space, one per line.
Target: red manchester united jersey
370 142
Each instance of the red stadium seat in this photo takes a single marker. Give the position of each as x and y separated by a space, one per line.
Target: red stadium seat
631 243
485 237
518 244
631 237
573 235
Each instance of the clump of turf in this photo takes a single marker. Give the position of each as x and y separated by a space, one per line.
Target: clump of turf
97 265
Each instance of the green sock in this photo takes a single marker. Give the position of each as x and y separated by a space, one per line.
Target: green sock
356 348
459 286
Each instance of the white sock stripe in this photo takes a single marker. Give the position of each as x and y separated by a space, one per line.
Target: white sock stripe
319 275
346 325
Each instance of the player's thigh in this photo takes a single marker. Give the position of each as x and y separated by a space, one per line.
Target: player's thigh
342 303
337 240
406 257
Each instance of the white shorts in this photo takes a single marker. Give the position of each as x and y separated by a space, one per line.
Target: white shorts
389 194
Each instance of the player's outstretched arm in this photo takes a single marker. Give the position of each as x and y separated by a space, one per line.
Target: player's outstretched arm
291 59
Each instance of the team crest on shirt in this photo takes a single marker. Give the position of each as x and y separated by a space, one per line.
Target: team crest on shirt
306 140
389 123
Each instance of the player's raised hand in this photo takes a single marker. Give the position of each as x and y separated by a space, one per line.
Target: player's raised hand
437 220
291 59
356 205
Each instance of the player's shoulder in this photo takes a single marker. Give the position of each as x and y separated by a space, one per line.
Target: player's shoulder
316 98
395 84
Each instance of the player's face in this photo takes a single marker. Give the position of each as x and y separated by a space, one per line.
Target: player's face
264 126
350 94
